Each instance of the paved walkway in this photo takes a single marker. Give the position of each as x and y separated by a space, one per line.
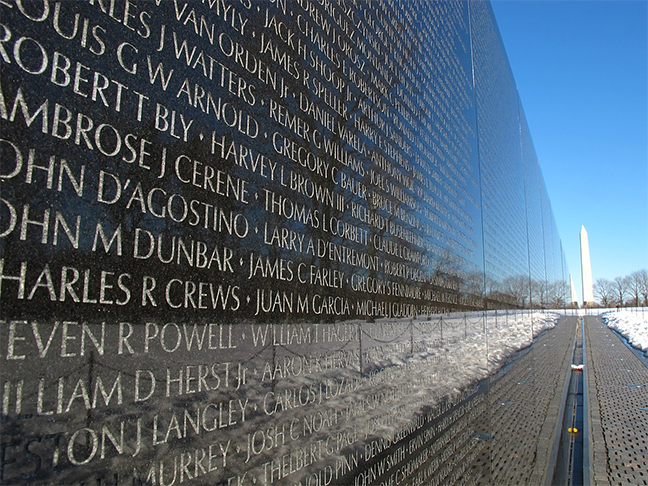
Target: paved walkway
511 433
617 383
507 434
524 412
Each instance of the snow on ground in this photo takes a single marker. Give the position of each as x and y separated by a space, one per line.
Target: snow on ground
631 324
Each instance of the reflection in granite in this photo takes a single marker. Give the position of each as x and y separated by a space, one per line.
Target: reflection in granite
257 401
261 242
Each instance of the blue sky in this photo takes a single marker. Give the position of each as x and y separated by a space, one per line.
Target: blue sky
581 70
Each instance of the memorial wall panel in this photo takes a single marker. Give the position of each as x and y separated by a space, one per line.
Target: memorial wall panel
550 258
506 247
556 286
533 197
565 277
257 242
502 181
561 277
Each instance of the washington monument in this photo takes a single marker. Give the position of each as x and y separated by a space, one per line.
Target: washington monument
586 269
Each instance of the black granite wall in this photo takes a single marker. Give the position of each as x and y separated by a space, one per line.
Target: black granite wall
254 242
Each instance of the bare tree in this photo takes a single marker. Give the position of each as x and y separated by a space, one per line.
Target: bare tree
538 291
518 287
634 287
604 291
642 275
558 292
621 289
628 290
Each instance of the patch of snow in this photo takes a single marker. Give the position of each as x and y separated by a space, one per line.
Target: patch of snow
632 325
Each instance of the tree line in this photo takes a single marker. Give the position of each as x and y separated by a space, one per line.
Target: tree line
628 291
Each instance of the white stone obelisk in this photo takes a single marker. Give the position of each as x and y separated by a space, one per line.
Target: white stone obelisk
586 269
574 298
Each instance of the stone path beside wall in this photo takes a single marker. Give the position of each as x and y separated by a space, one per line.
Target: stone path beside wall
617 383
